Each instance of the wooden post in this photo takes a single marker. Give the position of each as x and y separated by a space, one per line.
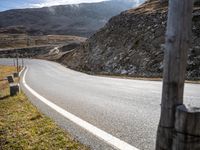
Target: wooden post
14 62
17 57
22 62
187 127
177 43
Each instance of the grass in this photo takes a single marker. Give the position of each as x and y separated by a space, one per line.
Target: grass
20 40
23 127
5 71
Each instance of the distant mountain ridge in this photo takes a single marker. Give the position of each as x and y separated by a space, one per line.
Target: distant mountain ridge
80 19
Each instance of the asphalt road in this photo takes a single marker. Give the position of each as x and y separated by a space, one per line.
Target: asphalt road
127 109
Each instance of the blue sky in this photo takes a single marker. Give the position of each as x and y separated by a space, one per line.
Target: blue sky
15 4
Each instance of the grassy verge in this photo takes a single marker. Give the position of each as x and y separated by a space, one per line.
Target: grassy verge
23 127
4 72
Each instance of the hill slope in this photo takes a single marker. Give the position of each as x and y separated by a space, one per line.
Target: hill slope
130 44
81 19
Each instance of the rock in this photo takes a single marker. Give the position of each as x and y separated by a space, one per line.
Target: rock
135 37
124 72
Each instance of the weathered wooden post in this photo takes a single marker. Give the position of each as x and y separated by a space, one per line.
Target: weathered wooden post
14 62
177 43
22 62
187 128
17 57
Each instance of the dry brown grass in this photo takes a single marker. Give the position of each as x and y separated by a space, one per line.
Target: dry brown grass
23 41
149 7
6 70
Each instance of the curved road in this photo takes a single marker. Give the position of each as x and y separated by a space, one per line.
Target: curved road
127 109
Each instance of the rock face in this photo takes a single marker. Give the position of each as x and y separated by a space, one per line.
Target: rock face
80 20
132 44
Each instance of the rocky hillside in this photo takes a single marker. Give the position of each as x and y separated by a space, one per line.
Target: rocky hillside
131 44
81 19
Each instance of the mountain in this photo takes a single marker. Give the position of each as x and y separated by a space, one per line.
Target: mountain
80 19
131 44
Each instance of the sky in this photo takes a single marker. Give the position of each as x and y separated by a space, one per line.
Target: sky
16 4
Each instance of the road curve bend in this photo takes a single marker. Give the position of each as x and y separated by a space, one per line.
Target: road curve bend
111 113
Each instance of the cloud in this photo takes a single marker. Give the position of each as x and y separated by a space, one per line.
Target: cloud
19 4
47 3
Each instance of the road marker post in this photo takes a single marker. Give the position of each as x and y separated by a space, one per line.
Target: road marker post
14 89
10 79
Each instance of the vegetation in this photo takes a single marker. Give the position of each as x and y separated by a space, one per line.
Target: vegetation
5 71
22 126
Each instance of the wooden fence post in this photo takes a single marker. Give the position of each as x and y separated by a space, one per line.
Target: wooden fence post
177 43
17 58
22 61
14 62
187 128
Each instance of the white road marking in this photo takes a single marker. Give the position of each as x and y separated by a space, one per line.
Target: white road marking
21 71
108 138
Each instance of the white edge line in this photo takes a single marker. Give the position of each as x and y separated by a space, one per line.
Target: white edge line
21 71
108 138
